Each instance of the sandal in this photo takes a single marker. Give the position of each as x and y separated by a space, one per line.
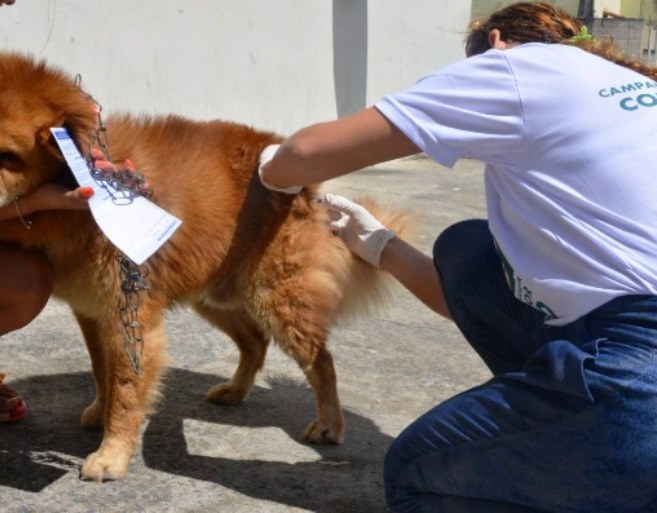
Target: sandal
12 404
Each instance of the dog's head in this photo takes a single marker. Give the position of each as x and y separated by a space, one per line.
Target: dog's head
33 98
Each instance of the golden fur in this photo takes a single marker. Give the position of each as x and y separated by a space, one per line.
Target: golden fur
256 264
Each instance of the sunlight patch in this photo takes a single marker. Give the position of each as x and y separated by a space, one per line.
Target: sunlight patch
243 443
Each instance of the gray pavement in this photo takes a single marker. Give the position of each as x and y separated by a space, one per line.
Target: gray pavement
197 456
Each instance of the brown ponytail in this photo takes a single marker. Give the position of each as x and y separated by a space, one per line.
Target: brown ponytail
523 22
604 47
526 22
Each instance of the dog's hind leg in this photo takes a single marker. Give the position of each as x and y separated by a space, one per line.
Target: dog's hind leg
94 415
301 329
252 344
328 427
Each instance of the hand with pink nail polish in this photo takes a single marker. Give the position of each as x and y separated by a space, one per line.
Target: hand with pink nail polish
127 176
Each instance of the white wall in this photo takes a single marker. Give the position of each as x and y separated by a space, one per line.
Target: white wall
274 64
610 5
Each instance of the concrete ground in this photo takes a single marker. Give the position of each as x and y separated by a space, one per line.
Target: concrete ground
198 457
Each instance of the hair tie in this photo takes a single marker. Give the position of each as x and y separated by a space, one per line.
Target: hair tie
583 35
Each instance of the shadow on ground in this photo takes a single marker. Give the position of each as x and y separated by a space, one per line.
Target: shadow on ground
49 442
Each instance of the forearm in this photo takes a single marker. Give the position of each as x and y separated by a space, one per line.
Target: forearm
415 271
50 196
328 150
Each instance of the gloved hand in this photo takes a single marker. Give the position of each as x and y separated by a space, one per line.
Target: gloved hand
363 234
266 155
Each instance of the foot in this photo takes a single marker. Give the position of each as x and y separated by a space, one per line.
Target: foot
321 432
110 462
12 406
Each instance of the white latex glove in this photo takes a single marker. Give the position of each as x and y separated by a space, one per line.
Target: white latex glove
363 234
266 155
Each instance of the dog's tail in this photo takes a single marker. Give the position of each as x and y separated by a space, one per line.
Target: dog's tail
367 288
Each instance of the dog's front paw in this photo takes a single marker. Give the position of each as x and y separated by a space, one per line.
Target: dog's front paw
101 466
93 416
321 432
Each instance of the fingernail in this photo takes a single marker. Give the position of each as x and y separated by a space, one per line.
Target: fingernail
86 192
130 164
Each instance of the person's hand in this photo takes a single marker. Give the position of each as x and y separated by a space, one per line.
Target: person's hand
53 196
127 177
266 155
363 234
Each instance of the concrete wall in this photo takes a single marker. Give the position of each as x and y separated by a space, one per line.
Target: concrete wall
483 8
274 64
631 8
644 9
600 6
635 37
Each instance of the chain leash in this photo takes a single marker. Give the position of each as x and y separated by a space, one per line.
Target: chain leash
122 186
133 282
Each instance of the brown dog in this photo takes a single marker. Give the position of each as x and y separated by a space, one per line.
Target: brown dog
255 263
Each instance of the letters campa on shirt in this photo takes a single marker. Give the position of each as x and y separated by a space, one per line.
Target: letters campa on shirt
570 146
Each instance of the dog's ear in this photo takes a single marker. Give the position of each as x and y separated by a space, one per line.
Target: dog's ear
82 123
44 139
82 126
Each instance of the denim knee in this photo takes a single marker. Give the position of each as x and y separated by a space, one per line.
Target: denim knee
393 466
460 249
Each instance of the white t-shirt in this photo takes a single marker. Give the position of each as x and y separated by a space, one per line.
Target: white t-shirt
570 145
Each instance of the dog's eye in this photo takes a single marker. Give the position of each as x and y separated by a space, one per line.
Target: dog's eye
10 160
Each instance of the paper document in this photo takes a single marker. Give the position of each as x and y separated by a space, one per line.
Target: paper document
131 222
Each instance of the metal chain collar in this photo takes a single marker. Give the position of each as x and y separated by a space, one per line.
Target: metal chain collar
122 186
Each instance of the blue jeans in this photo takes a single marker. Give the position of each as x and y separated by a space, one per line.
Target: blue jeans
568 423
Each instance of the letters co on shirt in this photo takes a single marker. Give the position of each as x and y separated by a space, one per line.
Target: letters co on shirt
636 95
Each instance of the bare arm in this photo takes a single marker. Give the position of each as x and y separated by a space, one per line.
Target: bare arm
328 150
50 196
366 237
414 271
53 196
